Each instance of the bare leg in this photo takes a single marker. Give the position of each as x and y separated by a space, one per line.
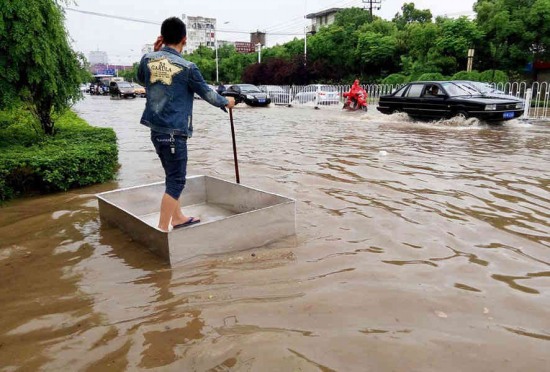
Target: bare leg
170 211
168 206
178 217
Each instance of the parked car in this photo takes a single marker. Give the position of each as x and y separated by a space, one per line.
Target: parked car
278 95
121 89
445 99
247 93
319 94
139 90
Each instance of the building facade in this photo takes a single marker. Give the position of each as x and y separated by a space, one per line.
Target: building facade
321 19
98 57
200 31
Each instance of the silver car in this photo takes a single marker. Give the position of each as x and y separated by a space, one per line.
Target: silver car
319 94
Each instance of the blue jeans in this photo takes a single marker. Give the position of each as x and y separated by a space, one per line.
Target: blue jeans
172 151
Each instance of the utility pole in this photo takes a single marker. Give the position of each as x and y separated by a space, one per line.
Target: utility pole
373 5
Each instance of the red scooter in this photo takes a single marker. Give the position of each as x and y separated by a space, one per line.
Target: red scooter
356 98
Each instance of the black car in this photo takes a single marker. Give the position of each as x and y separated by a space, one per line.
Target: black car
445 99
247 93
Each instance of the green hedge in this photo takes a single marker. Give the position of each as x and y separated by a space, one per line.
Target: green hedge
30 162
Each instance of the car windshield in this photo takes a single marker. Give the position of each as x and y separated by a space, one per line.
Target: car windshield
124 85
455 89
485 88
247 88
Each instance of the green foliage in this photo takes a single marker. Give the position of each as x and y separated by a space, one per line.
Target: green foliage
37 65
205 60
336 45
352 17
79 155
376 50
493 76
409 14
130 74
466 75
432 76
395 79
516 32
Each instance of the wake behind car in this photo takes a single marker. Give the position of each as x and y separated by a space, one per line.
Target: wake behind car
247 93
446 99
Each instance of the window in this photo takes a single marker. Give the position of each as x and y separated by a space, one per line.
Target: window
415 90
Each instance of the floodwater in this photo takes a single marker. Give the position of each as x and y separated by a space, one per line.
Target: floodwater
419 247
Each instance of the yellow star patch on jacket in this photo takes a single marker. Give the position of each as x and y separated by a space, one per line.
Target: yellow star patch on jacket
163 70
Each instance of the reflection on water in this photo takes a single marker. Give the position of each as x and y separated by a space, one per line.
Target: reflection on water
425 240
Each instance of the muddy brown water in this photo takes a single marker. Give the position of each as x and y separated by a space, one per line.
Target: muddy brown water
419 247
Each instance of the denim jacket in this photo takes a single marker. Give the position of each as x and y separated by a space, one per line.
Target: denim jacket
170 82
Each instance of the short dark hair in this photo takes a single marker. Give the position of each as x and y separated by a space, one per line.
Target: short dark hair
173 30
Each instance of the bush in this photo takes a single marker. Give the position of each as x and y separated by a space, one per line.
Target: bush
431 76
466 75
31 162
493 76
395 79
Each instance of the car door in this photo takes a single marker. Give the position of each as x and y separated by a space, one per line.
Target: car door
433 104
412 102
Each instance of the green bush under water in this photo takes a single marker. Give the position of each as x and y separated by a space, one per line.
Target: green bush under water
31 162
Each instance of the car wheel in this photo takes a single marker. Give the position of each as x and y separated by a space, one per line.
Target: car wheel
462 115
396 111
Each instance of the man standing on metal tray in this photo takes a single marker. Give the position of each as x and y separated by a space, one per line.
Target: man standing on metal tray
170 83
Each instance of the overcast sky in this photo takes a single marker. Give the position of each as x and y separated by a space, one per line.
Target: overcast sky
123 40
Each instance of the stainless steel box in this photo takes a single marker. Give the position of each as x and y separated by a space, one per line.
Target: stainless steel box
233 217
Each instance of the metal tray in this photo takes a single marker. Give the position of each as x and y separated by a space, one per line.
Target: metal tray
233 217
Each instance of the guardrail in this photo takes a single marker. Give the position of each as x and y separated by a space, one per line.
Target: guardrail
536 95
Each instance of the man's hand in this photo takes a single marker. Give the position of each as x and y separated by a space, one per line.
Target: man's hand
158 44
231 102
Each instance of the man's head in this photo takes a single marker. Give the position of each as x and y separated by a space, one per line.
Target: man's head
173 31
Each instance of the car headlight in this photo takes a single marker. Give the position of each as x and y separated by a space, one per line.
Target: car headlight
492 107
248 96
519 105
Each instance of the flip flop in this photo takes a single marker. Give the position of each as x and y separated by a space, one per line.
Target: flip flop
190 221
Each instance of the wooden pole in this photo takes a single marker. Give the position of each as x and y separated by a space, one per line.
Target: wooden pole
234 146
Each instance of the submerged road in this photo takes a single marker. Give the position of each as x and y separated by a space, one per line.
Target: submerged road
419 247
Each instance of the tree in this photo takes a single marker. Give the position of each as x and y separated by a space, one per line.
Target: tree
130 74
517 32
410 15
37 65
205 59
352 17
455 37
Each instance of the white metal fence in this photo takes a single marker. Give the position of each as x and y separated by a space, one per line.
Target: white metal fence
536 95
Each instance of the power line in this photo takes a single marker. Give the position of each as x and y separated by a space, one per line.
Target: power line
104 15
113 16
